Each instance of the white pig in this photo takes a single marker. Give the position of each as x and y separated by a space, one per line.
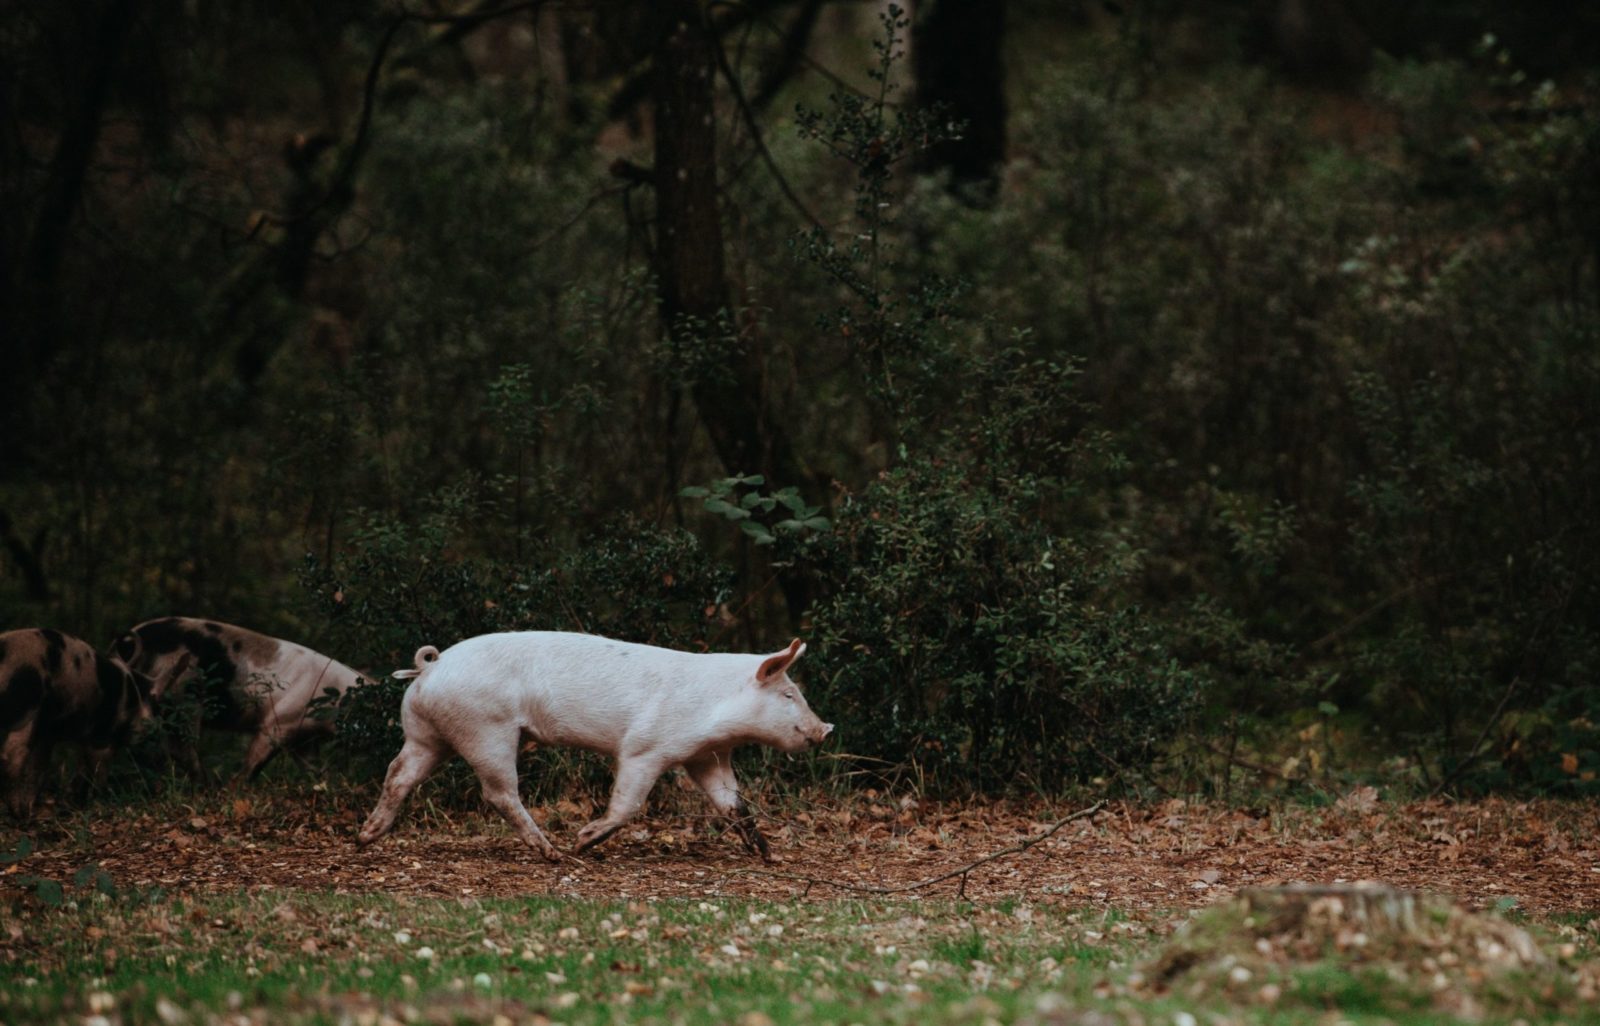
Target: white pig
648 708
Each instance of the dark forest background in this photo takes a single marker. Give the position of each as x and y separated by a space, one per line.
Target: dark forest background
1183 393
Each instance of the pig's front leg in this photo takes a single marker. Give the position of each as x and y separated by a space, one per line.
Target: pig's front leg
23 758
184 750
635 776
713 773
91 774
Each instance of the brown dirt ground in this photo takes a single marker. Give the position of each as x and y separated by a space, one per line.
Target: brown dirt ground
1171 855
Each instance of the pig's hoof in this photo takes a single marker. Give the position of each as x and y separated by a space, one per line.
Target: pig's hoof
593 834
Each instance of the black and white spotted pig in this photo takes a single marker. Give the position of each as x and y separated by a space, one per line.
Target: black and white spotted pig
53 689
241 681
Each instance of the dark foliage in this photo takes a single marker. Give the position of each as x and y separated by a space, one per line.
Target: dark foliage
1253 399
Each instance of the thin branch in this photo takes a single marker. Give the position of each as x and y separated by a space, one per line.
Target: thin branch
1477 746
593 201
369 96
755 134
827 73
1374 610
1234 759
472 19
1015 849
791 52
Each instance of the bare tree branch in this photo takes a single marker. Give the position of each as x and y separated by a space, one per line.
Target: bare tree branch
791 54
755 134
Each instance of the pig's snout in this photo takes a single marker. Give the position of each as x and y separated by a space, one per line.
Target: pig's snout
814 735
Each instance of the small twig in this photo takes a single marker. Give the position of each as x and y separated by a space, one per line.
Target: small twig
962 872
1477 746
1239 760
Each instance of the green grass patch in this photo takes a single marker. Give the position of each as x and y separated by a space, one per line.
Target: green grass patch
317 957
373 957
314 957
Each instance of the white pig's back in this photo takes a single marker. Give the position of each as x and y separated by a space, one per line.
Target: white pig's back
568 689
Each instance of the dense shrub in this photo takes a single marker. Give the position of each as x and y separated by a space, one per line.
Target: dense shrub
1244 405
965 638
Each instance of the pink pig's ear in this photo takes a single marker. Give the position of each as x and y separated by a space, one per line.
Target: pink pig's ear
773 667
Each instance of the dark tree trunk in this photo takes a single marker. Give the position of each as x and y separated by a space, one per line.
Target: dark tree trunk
30 305
730 392
28 558
956 54
729 388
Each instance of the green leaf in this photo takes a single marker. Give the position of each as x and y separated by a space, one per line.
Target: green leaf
719 506
758 532
751 479
1327 709
750 499
791 499
694 492
49 892
818 523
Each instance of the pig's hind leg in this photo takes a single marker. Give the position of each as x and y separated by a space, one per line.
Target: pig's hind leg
410 768
493 756
713 774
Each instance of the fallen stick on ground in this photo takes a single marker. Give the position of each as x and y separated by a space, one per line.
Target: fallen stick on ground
844 885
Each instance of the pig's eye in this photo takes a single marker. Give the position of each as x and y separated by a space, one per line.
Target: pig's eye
789 695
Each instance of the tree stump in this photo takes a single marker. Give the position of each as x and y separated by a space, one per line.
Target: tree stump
1372 908
1375 916
1412 935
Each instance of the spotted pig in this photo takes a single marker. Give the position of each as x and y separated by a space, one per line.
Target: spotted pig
240 681
56 688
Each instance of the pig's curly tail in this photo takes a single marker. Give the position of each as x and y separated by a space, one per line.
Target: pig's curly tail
425 655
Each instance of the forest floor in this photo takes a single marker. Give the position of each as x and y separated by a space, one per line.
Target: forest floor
1542 856
258 907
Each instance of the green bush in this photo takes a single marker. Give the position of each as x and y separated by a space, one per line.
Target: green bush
965 638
